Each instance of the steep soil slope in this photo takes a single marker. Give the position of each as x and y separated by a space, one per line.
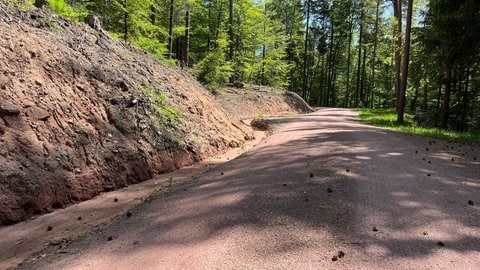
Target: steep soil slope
81 113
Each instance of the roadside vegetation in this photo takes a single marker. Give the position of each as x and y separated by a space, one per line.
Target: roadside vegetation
387 118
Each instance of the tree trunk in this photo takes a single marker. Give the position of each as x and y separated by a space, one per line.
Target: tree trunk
231 37
359 63
446 98
153 14
186 45
170 30
374 56
349 60
397 13
406 60
305 55
425 89
264 47
125 21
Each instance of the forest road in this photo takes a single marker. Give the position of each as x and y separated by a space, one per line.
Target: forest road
323 192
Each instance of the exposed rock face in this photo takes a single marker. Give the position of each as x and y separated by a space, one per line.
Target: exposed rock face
77 115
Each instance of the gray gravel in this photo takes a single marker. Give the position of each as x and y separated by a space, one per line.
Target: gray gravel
323 192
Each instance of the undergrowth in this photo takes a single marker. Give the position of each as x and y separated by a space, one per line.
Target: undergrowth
387 118
166 114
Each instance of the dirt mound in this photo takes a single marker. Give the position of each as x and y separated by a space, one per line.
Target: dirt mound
257 101
81 113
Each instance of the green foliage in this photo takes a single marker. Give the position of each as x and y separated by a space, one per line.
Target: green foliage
167 114
387 118
214 70
70 9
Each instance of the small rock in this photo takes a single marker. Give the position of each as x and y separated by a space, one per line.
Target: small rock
334 258
37 113
306 199
374 229
470 202
440 243
38 82
49 228
221 173
110 238
62 251
311 175
129 213
348 170
115 199
284 184
341 254
56 241
79 218
429 175
425 233
9 109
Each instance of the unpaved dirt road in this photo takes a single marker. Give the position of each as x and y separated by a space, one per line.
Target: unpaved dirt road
323 185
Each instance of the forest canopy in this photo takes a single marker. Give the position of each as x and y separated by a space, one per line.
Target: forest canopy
421 56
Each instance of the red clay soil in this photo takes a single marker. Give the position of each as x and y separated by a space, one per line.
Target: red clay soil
78 115
323 192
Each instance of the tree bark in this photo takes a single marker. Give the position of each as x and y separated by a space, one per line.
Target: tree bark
186 45
359 63
170 30
374 57
446 98
231 36
349 60
305 55
125 21
406 60
397 13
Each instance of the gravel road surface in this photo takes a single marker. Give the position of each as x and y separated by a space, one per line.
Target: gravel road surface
322 192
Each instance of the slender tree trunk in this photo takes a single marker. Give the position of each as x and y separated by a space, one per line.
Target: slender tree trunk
125 21
397 13
349 63
446 98
359 63
153 13
406 60
374 56
186 45
364 79
264 47
170 30
305 55
465 98
425 89
231 37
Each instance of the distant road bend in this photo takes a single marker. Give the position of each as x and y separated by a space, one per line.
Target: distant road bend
323 192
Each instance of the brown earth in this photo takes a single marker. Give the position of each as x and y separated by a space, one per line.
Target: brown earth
81 114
